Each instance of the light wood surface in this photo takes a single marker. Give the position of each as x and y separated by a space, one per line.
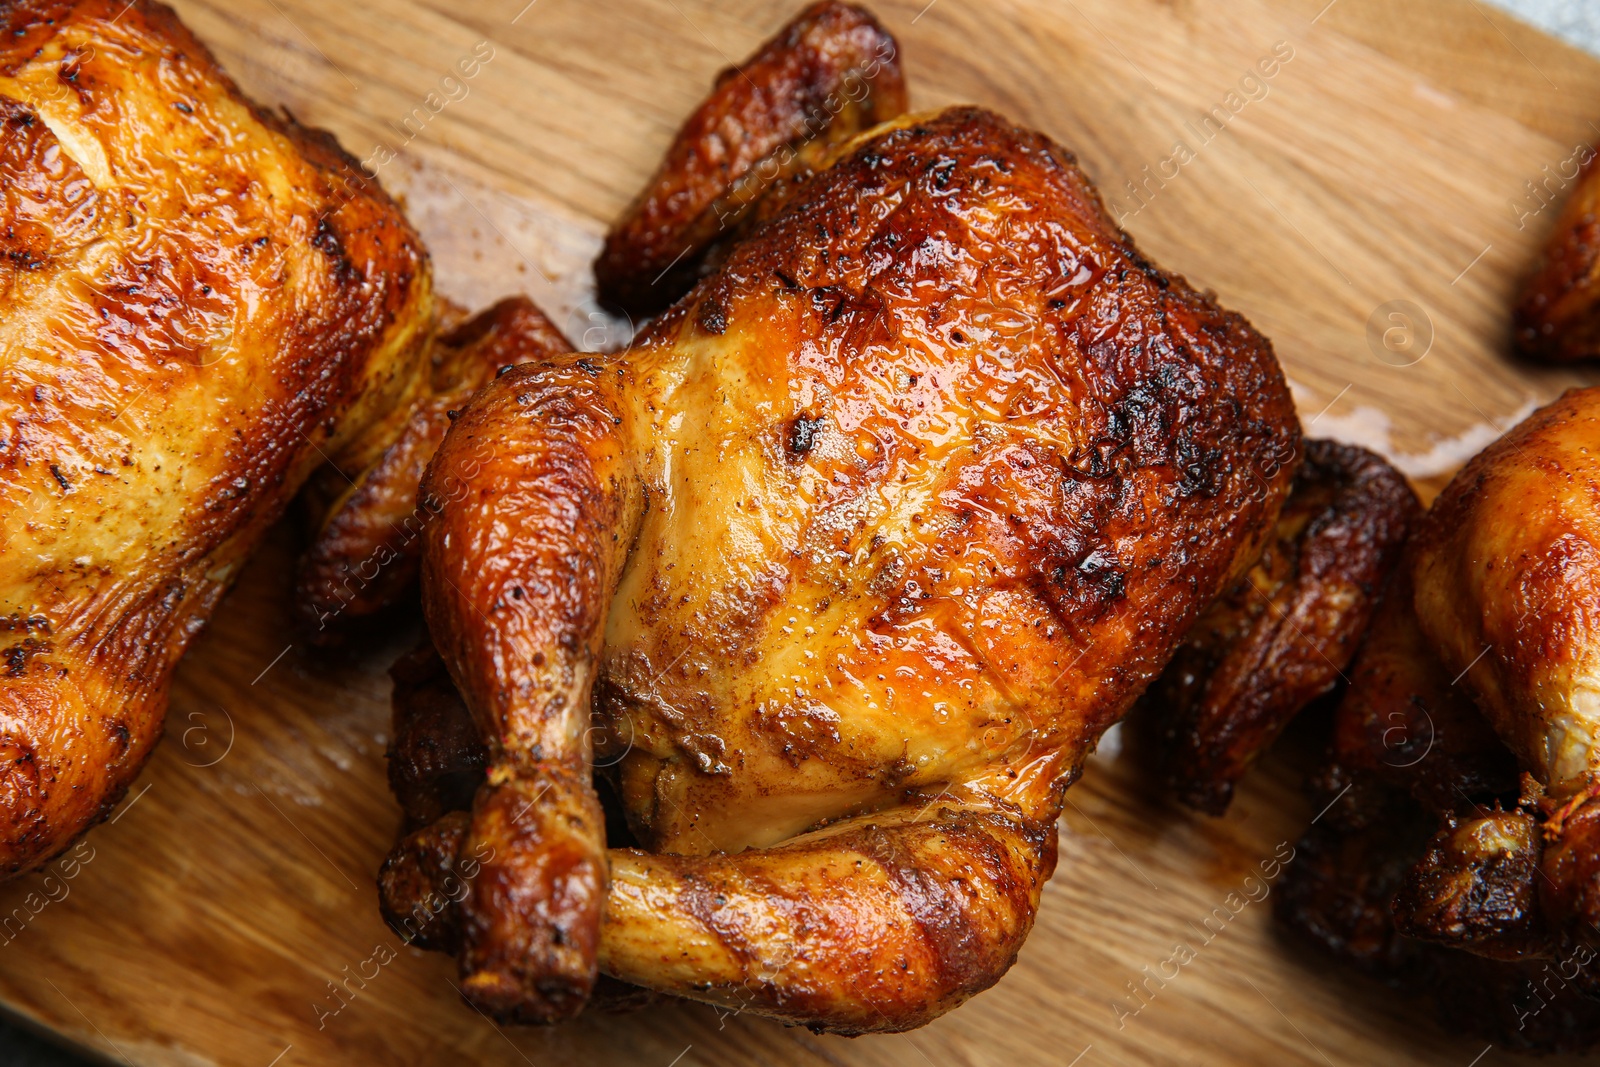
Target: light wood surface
1386 162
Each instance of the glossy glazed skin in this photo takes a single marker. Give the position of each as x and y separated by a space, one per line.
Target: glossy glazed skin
1285 633
366 555
853 557
1508 561
1558 318
198 302
829 74
1507 568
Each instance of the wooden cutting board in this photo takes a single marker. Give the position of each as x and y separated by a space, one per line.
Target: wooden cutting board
1382 170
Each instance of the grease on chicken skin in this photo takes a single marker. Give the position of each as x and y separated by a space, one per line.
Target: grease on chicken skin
857 551
201 299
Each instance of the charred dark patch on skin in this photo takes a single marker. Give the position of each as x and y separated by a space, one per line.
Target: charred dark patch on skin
803 434
712 319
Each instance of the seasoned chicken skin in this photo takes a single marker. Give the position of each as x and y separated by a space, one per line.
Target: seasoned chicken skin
1507 573
851 559
199 302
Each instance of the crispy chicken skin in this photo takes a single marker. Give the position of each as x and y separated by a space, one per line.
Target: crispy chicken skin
366 555
1284 634
1482 662
200 300
1558 318
853 556
829 74
1507 574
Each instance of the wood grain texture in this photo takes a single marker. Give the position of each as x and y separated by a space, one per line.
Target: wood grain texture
1385 162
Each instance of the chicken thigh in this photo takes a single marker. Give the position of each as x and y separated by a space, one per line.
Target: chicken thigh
842 570
200 302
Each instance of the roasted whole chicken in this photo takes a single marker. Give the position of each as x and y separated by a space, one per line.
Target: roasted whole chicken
837 575
200 302
1461 851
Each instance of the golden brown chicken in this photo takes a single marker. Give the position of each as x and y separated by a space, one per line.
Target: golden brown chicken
1485 659
1558 318
1507 573
840 572
200 302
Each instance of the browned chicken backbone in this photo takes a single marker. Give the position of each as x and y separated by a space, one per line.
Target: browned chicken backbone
836 575
199 302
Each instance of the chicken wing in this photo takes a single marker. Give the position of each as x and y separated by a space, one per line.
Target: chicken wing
1283 635
773 119
201 301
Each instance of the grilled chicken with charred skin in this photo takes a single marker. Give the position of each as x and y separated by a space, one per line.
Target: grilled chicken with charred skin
198 301
842 569
1482 663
